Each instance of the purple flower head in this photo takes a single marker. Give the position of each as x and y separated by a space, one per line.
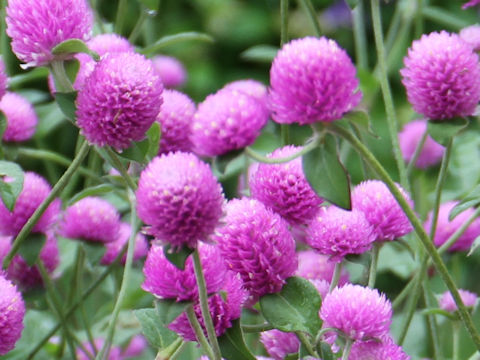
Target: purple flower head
386 349
12 309
446 228
175 118
170 70
279 344
442 76
447 302
471 35
315 266
410 137
91 219
115 247
166 281
135 347
119 101
374 199
257 245
252 88
35 190
20 116
312 80
180 199
114 353
337 233
284 188
3 78
470 4
359 312
36 27
223 309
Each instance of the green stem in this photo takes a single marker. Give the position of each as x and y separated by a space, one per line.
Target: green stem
284 22
120 17
197 329
336 276
285 134
177 352
98 18
387 94
57 189
62 82
257 328
404 293
418 227
359 35
306 342
432 323
312 14
266 160
419 19
459 232
456 340
138 26
170 350
346 350
95 166
444 17
203 297
117 164
373 265
416 154
392 32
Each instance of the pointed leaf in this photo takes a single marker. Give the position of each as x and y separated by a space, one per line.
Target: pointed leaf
179 257
260 53
471 200
326 174
361 120
176 38
325 351
157 335
475 245
31 247
169 309
232 344
438 311
91 191
73 46
443 130
66 103
295 308
136 152
93 251
11 183
153 135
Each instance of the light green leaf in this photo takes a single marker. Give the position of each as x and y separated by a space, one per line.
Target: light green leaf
91 191
232 344
73 46
153 135
179 257
260 53
31 247
10 189
471 200
66 102
176 38
443 130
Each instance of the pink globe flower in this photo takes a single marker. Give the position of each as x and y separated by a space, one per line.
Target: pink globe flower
374 199
3 78
114 353
312 80
409 138
471 35
119 101
279 344
447 302
170 70
35 190
257 245
442 76
91 219
180 199
36 27
337 233
135 347
223 309
446 228
470 4
252 88
357 311
315 266
166 281
284 188
175 118
375 350
225 121
115 247
20 116
12 309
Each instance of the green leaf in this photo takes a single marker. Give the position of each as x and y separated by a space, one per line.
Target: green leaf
232 344
73 46
326 174
10 189
352 3
156 334
443 130
295 308
475 245
31 247
230 164
153 135
151 5
325 351
471 200
174 39
91 191
361 120
179 257
93 251
66 103
438 311
71 69
136 152
260 53
169 309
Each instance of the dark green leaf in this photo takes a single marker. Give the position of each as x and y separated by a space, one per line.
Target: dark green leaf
352 3
326 174
152 5
11 183
31 247
66 102
361 120
179 257
3 127
475 245
157 335
230 164
443 130
325 351
71 69
471 200
260 53
295 308
93 251
291 357
438 311
153 135
232 344
73 46
169 309
174 39
92 191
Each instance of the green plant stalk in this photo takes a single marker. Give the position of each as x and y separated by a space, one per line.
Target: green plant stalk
336 276
372 275
306 342
416 154
177 353
57 189
120 17
347 349
359 35
203 297
72 184
197 329
387 94
284 22
443 17
459 232
312 14
257 328
169 352
95 166
418 227
419 19
266 160
138 26
117 164
62 82
134 223
51 169
456 340
403 294
393 28
432 324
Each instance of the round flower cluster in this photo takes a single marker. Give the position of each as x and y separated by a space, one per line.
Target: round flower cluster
315 266
170 70
377 350
447 302
279 344
471 35
20 116
114 248
12 309
3 78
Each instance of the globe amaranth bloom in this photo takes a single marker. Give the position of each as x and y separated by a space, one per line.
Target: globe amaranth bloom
225 121
20 116
180 199
470 4
385 349
359 312
175 118
337 233
471 35
446 228
3 78
223 309
166 281
170 70
312 80
442 76
409 138
91 219
279 344
284 187
36 27
257 245
114 248
252 88
374 199
315 266
447 302
113 354
135 347
119 101
12 309
35 190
